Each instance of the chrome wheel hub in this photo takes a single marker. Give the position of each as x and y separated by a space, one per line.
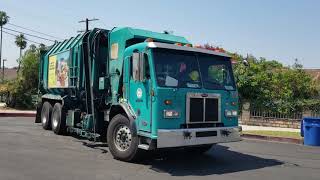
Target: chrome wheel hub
122 137
43 120
54 123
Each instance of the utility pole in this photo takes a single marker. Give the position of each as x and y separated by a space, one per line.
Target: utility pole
3 69
87 22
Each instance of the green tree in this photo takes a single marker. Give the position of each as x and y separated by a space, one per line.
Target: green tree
22 89
29 68
4 19
22 44
269 85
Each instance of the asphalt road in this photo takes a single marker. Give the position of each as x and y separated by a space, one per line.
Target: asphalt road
29 152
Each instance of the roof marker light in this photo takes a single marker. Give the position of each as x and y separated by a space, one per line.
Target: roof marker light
149 40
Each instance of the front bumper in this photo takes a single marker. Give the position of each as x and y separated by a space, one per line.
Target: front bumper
190 137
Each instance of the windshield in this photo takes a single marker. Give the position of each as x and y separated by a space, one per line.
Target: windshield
192 70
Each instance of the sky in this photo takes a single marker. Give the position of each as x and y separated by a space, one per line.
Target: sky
279 30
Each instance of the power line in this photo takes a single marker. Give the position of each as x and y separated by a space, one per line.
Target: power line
87 22
34 31
24 38
29 34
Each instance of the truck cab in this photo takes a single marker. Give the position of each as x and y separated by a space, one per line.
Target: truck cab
181 96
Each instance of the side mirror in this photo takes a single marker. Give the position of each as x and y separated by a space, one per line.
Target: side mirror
138 66
142 68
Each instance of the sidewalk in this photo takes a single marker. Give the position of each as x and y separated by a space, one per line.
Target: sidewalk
287 135
16 113
262 128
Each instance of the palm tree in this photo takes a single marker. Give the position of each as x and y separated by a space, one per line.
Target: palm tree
22 44
4 19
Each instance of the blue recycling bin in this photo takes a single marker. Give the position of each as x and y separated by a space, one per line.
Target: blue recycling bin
311 131
301 128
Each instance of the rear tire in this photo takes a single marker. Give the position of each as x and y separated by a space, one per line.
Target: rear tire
122 142
46 115
58 119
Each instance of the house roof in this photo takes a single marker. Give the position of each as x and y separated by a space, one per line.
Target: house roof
315 73
9 73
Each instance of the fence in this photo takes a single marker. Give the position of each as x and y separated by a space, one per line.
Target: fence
275 115
258 117
315 113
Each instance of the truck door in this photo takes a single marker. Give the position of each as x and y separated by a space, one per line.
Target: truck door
140 90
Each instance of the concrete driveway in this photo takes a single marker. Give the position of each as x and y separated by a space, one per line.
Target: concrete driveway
29 152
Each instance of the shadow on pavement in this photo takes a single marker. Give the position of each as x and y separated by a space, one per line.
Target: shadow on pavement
219 160
99 146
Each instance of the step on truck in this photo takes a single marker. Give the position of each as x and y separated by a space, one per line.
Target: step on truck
138 90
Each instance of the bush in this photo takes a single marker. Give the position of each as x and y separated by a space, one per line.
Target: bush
22 89
271 86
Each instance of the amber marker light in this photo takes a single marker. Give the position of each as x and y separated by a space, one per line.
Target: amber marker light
149 40
167 102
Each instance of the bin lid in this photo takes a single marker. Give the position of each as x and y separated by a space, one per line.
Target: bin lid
311 121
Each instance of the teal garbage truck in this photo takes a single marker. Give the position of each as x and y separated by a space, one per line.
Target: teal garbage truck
138 90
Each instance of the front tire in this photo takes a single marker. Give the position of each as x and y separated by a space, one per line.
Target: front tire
46 115
122 142
58 119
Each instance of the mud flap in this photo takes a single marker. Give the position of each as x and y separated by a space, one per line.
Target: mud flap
38 114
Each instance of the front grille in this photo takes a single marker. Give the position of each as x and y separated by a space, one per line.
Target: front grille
203 108
196 109
212 108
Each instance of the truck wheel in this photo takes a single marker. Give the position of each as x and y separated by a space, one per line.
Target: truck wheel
46 115
123 145
58 119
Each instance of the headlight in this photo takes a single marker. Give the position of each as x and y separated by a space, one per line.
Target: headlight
231 113
170 114
228 113
234 113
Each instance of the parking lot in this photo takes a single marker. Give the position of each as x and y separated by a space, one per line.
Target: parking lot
29 152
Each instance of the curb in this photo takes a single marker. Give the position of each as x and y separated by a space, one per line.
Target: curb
271 138
4 114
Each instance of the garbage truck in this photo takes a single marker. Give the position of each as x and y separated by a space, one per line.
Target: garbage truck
138 90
